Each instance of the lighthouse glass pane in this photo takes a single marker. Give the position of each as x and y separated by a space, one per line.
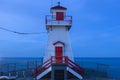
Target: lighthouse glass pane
59 16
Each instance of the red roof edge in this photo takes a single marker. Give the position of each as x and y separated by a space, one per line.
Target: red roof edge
58 43
59 7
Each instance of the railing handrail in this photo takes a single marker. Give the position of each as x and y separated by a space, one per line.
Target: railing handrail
59 20
74 63
52 19
75 67
37 69
55 15
53 59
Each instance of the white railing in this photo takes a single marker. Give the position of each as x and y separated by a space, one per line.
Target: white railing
51 20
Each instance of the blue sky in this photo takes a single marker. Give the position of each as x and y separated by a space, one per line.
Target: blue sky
95 31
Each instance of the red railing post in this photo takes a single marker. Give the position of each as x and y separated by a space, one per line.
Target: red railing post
66 60
42 67
70 20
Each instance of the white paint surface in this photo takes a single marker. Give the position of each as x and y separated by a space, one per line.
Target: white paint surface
58 33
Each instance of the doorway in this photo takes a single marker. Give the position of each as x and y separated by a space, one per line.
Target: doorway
58 54
59 16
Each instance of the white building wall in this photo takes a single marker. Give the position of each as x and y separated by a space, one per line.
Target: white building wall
58 33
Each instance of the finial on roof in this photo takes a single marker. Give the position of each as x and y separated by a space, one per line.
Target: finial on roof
58 3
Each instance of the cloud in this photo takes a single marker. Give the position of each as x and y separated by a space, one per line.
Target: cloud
19 23
92 17
28 16
14 19
114 28
105 35
111 33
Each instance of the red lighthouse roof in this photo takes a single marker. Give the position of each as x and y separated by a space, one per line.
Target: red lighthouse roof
59 7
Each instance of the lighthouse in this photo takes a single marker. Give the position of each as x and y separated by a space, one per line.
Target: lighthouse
58 62
58 25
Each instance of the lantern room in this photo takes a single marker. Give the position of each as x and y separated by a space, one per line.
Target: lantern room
58 17
58 12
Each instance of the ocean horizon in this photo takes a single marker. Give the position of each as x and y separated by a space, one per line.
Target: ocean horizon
111 65
114 62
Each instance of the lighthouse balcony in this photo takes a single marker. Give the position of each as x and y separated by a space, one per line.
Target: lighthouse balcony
52 20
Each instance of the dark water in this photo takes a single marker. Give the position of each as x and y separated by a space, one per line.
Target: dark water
112 62
111 65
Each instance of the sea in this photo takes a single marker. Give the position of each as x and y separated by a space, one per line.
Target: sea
111 64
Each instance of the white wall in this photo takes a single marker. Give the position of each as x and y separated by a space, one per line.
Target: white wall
58 33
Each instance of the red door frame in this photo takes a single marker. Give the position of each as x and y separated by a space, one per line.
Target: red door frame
58 53
59 15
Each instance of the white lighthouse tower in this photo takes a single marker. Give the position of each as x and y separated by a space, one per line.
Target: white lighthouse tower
58 25
58 62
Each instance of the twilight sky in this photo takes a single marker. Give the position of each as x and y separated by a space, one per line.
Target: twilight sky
95 31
